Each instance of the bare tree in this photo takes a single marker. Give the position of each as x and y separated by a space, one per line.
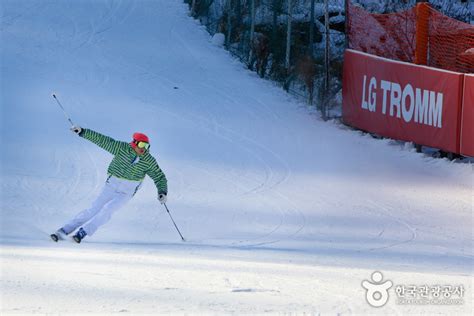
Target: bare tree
252 31
193 8
311 28
326 58
229 23
288 35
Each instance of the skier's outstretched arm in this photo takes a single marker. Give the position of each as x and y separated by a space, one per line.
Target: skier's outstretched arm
105 142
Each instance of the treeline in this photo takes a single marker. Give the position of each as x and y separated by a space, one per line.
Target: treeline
282 40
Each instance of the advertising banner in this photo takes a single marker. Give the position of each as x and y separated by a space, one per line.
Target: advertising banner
402 101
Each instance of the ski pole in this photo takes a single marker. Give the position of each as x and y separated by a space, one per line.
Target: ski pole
64 111
182 238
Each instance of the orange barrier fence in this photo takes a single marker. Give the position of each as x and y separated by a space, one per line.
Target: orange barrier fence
419 35
451 43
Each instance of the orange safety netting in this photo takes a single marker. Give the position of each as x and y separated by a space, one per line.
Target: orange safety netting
419 35
451 43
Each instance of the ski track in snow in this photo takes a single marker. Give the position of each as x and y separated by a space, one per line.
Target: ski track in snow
411 236
266 185
248 144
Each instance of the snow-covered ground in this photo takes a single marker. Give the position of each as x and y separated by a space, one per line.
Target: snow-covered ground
282 212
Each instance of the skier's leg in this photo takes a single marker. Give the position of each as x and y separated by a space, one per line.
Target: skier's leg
105 196
104 215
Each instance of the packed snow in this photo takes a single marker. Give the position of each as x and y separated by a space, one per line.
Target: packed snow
282 212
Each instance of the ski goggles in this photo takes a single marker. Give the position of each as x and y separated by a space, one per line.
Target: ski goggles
143 145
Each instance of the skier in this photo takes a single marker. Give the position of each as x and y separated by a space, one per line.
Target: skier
131 162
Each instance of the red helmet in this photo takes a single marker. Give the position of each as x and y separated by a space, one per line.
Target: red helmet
139 137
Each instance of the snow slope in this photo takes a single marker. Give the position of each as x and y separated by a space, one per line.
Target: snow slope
281 211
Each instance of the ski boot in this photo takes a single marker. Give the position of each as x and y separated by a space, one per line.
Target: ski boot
60 234
81 233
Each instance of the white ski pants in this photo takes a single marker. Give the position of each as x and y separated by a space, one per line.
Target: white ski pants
115 194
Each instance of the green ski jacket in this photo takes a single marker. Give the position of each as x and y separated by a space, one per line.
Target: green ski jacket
125 164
